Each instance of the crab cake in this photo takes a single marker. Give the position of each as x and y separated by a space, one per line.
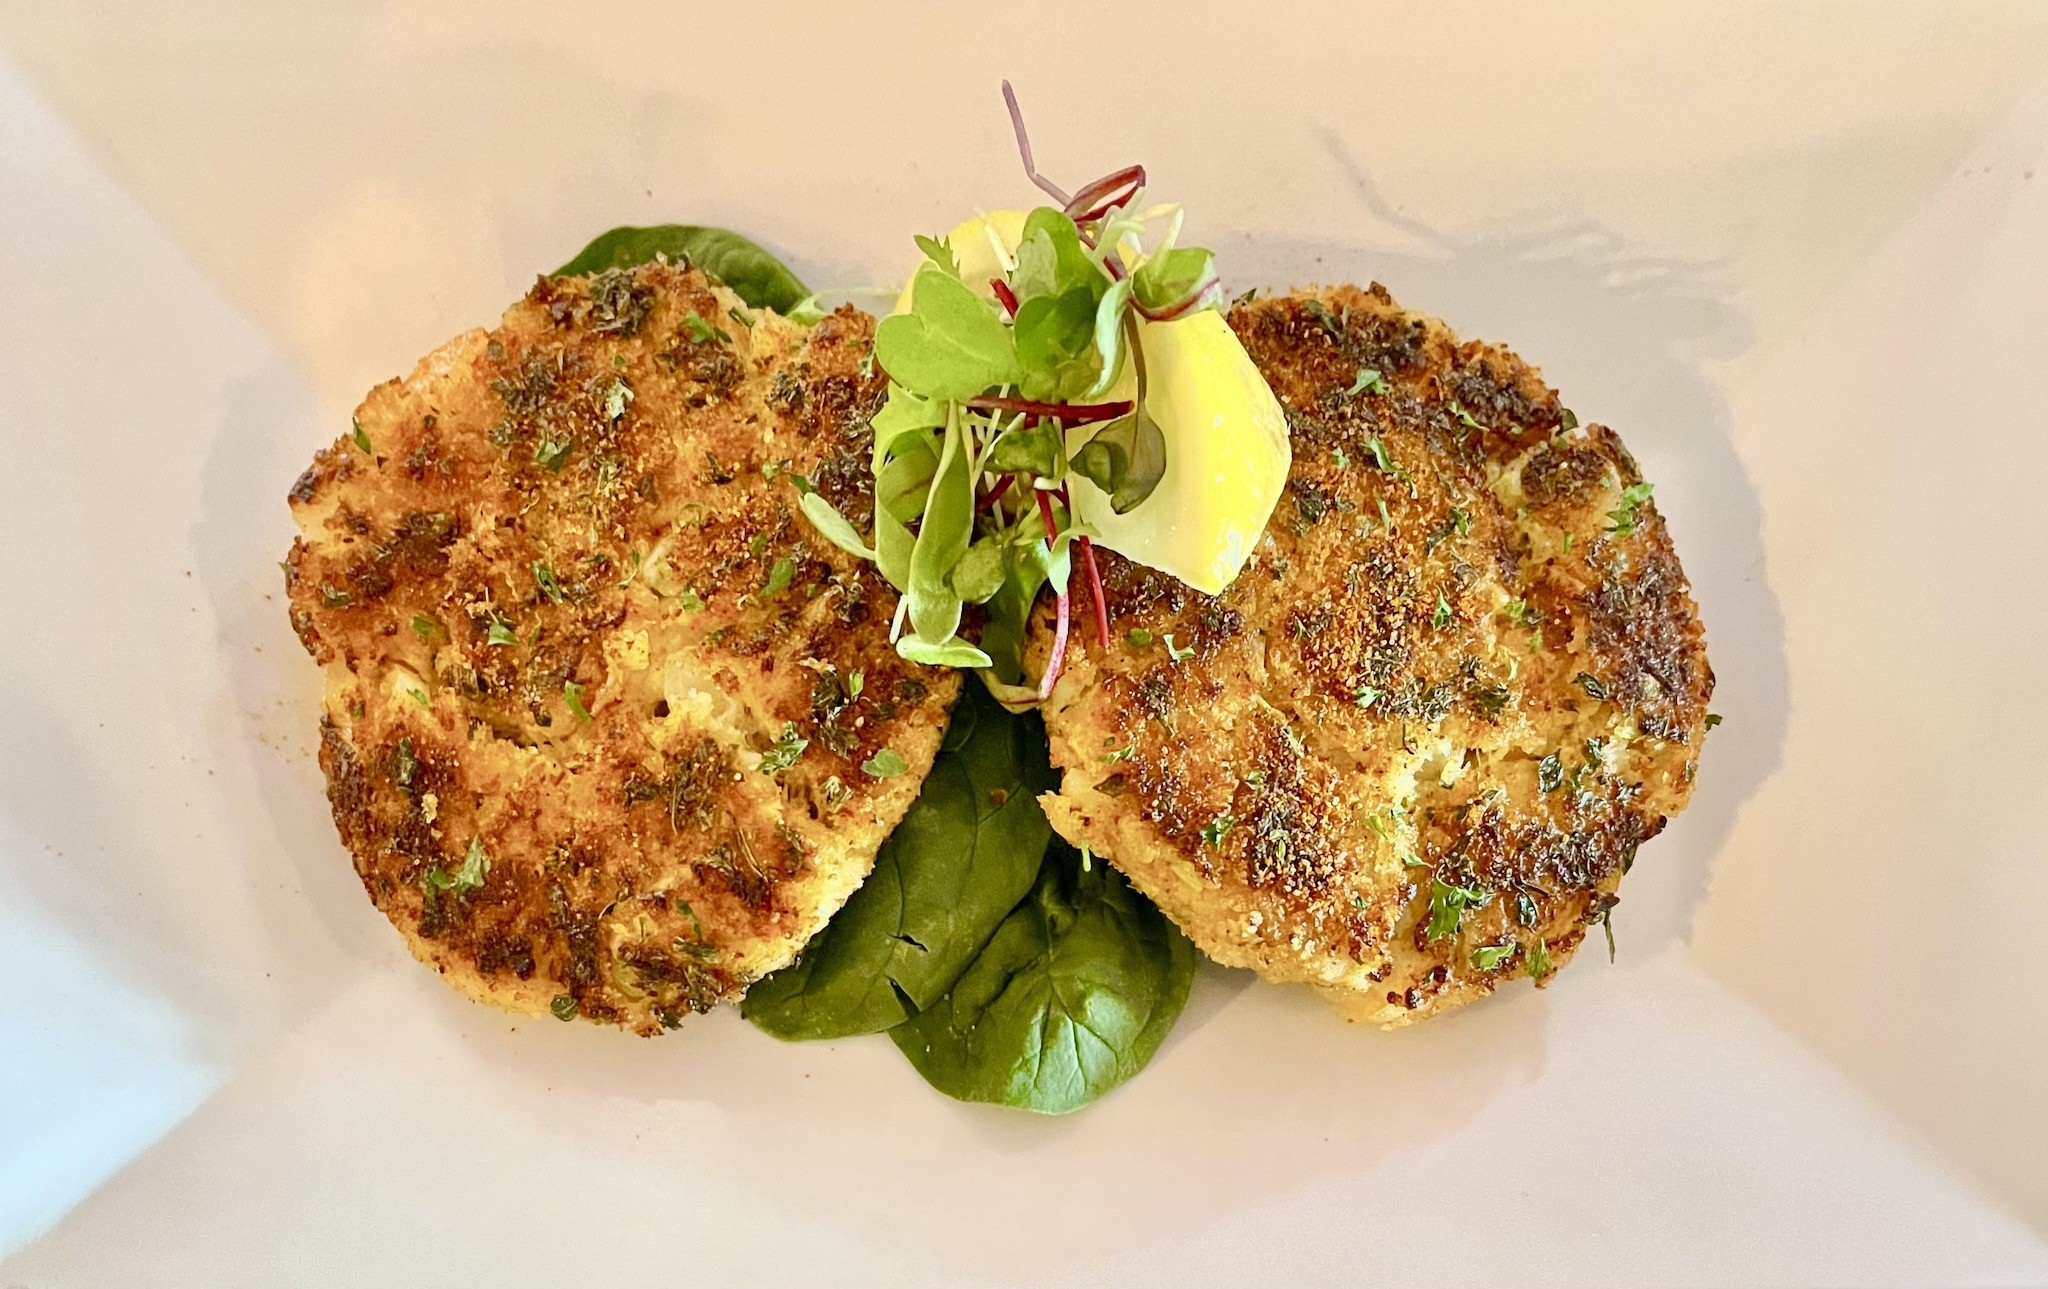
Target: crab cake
605 716
1409 754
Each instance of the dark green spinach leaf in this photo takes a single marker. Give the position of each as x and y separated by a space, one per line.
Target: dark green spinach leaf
754 275
963 856
1072 996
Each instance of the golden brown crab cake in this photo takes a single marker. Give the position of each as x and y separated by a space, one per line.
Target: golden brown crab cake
603 710
1408 755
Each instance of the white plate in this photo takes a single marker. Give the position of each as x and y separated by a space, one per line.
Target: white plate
1799 256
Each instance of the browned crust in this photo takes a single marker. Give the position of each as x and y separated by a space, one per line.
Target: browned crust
641 863
1341 812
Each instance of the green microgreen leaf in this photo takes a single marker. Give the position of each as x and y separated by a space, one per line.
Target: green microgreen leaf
1126 459
1369 378
951 345
1173 279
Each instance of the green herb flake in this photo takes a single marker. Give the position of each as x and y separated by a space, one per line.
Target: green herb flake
1550 772
1216 830
1175 652
1525 909
425 627
1568 421
1461 519
1539 961
616 398
1624 515
1323 319
885 764
1139 637
564 1007
1366 696
702 332
1443 616
1124 753
476 866
405 764
501 633
550 455
779 578
740 315
1593 686
360 436
334 599
1448 905
690 601
1713 719
574 692
544 580
1607 925
785 751
1488 957
1369 378
420 696
856 685
1337 455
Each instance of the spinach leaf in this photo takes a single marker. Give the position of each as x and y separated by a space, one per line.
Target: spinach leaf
1071 997
754 275
963 856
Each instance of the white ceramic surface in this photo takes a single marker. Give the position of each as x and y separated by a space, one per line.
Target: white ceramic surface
1798 254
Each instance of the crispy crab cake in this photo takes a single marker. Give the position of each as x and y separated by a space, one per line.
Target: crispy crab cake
599 698
1409 754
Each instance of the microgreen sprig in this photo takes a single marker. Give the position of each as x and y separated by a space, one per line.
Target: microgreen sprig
997 401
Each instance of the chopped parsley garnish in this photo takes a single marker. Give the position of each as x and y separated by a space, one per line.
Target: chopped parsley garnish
476 866
1525 909
1519 613
420 696
550 455
1461 519
1139 637
1487 957
501 633
1175 652
1550 773
361 436
855 685
425 627
1592 685
1539 960
1448 905
1569 421
564 1007
779 578
702 331
885 764
1443 615
1368 378
1624 516
1216 830
405 764
1366 696
690 601
1124 753
785 751
573 692
617 397
544 579
1465 417
739 314
1713 719
334 599
1324 319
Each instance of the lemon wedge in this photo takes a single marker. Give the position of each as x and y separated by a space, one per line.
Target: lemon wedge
1227 453
1227 457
